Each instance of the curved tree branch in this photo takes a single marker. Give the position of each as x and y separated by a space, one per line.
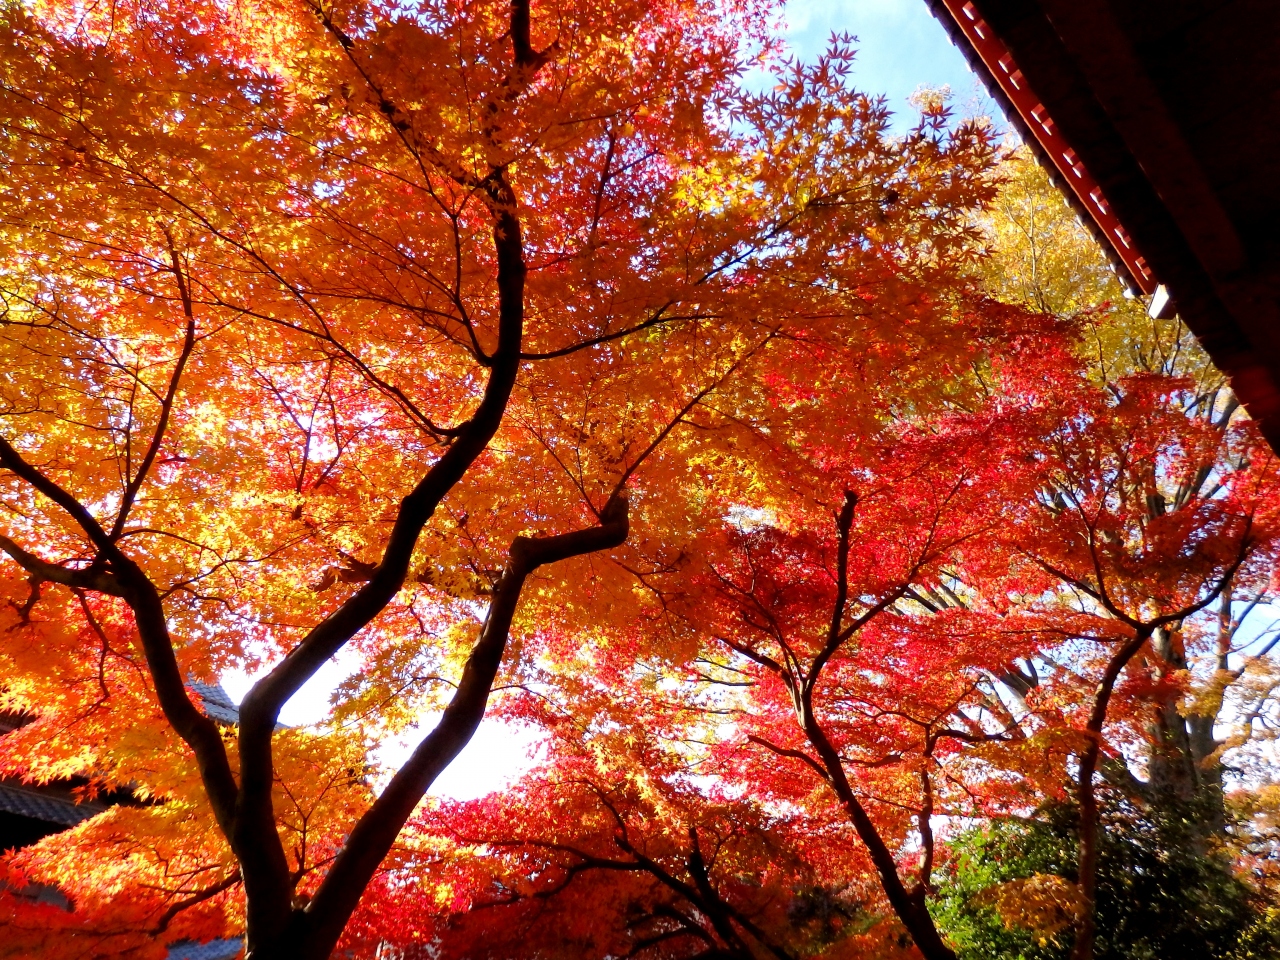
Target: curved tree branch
372 837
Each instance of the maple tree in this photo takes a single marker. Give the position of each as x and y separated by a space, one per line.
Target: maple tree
599 855
511 345
846 683
383 328
973 636
898 714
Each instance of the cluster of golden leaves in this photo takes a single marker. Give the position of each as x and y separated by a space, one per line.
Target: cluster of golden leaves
247 269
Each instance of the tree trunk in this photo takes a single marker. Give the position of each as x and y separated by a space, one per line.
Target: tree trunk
1182 764
1087 799
909 905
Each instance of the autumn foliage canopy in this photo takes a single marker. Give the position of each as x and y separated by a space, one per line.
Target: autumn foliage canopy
524 356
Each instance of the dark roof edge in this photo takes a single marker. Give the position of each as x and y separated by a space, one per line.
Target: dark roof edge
1029 140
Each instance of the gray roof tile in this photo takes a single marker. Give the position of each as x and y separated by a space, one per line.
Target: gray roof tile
215 701
32 802
213 950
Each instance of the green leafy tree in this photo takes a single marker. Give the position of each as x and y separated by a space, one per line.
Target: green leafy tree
1158 897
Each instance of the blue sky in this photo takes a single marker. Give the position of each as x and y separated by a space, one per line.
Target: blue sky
901 46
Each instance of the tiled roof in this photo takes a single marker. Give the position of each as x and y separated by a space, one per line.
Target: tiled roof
215 701
55 806
218 705
31 802
213 950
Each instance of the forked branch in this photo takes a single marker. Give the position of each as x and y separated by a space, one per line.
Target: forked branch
373 835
